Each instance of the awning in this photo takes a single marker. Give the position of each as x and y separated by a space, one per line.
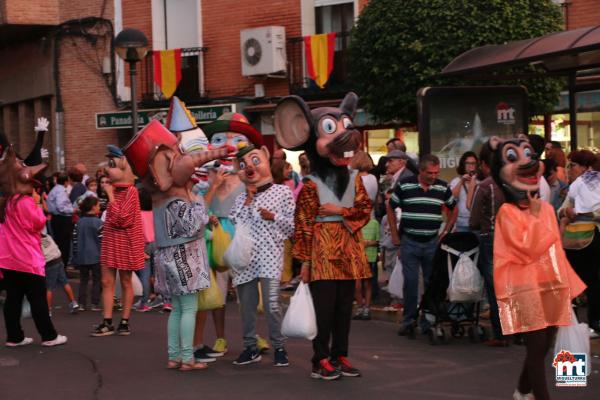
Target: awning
560 52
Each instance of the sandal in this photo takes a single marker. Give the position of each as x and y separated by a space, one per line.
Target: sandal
193 366
172 364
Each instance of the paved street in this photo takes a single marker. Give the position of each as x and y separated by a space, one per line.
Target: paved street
133 367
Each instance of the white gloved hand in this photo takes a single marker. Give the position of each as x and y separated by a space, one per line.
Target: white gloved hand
45 153
42 125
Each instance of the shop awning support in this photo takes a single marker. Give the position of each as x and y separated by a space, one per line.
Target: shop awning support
573 109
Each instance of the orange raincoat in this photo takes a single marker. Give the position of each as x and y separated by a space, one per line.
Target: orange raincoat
533 280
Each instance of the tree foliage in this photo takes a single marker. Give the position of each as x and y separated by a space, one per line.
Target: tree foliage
398 46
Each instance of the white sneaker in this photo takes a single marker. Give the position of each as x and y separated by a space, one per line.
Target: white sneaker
60 339
520 396
23 342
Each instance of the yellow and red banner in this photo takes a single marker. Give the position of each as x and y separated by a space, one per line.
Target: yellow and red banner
167 70
319 51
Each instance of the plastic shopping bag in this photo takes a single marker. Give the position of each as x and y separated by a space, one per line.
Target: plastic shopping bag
239 252
396 282
220 242
466 283
300 320
211 298
25 309
136 284
574 338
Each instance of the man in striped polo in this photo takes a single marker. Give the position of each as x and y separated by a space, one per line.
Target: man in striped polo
423 199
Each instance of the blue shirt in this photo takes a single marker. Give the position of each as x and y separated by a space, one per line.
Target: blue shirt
58 202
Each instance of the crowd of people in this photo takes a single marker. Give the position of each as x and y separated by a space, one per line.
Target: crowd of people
413 210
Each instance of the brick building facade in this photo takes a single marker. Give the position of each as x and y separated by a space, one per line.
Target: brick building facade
61 64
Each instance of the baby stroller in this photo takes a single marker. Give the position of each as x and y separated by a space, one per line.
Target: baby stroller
436 306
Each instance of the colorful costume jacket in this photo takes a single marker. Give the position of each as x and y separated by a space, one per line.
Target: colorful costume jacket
533 280
335 248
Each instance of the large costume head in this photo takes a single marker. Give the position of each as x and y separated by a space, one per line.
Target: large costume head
118 169
231 130
16 177
326 134
515 168
253 165
157 159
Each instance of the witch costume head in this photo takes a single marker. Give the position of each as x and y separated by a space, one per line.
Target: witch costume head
516 168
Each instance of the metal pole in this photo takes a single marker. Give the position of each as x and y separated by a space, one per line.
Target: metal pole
572 111
134 111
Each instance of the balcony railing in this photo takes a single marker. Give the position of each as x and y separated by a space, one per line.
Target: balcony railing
190 87
299 81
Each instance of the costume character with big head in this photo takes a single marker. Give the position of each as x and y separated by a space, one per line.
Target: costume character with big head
331 209
22 261
229 131
267 212
122 248
533 280
158 159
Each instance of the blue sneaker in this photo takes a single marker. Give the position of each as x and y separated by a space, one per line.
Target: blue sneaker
248 356
280 358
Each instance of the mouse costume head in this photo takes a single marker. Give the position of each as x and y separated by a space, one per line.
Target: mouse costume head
118 169
515 167
16 177
326 134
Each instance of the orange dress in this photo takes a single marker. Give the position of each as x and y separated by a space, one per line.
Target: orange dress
533 280
335 249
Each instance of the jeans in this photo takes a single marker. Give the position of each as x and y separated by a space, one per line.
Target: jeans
333 307
19 285
248 296
413 254
84 277
485 264
180 328
144 275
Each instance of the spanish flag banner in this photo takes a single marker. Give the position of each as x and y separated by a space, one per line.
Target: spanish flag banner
319 57
167 70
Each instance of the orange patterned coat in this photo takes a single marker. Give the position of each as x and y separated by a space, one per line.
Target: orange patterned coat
335 249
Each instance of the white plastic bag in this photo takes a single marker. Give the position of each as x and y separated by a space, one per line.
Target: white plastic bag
396 282
138 289
574 338
466 283
300 320
25 309
239 252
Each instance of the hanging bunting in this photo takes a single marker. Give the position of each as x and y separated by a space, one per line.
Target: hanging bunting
319 51
167 70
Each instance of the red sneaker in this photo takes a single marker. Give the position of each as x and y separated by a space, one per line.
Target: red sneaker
343 365
325 371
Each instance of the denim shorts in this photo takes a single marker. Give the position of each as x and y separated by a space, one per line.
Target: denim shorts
56 277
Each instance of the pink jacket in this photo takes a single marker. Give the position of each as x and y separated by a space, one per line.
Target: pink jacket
20 236
148 226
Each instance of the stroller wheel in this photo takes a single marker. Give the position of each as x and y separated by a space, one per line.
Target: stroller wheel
477 333
437 335
457 331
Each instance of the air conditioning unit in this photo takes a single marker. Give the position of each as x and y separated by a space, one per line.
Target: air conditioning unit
263 51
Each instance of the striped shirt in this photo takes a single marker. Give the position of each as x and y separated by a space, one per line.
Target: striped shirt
123 237
421 210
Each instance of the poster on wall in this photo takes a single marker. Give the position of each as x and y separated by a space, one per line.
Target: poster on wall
454 120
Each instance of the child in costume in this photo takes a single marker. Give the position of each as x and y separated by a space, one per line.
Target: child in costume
267 210
331 210
533 280
180 257
122 242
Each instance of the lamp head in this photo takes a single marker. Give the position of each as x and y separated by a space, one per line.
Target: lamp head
131 45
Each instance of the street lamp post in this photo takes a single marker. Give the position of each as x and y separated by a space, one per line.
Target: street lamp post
131 45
